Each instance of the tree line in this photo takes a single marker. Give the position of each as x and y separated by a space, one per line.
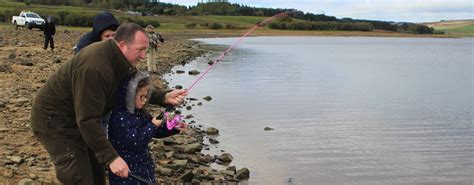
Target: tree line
223 7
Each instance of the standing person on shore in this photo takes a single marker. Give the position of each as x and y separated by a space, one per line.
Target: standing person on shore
67 111
154 43
103 28
49 29
131 128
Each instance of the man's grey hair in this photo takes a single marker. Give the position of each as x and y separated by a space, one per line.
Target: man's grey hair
126 32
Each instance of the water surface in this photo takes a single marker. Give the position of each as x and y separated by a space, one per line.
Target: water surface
345 110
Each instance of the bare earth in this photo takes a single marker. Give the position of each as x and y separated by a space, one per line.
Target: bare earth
25 67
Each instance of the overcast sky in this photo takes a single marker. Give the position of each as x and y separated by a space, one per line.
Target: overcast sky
386 10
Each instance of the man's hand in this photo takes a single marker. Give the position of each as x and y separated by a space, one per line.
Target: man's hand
119 167
176 97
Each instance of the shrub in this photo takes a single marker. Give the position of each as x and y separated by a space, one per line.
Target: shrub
205 24
191 25
231 26
216 26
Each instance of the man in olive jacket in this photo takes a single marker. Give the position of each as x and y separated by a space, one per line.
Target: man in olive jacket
67 110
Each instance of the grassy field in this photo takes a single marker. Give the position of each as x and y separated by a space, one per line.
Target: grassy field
457 28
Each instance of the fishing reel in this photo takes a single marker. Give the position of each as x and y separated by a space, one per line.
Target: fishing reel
171 119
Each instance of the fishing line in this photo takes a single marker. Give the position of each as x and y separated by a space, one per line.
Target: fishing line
260 24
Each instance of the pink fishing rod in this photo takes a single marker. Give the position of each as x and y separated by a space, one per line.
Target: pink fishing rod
266 21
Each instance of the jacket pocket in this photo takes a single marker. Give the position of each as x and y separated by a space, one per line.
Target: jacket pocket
67 169
59 126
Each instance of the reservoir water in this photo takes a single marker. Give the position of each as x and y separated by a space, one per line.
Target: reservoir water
345 110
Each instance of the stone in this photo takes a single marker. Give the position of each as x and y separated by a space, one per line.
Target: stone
180 163
212 131
15 159
12 55
8 173
231 168
21 101
208 98
186 176
26 181
213 141
5 68
226 158
179 71
242 174
164 171
193 72
268 128
194 147
169 154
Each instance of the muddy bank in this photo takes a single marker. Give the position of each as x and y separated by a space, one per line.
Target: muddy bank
25 67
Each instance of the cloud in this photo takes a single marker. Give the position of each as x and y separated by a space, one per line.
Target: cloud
388 10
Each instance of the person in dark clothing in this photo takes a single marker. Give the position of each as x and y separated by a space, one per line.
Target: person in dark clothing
103 28
131 128
67 111
49 29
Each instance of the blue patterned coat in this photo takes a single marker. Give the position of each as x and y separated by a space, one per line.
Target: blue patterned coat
130 130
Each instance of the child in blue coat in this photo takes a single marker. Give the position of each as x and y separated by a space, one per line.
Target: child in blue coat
131 128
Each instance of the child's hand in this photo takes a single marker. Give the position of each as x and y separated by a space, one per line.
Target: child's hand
156 122
182 126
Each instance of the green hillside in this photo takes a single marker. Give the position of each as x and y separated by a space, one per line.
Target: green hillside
460 28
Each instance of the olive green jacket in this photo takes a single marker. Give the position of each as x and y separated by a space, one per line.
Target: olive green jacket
73 101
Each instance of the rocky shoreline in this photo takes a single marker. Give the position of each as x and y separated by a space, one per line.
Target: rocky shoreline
25 67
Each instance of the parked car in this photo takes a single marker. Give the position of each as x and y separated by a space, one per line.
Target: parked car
29 20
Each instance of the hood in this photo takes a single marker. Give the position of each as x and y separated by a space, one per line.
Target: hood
103 21
132 90
36 19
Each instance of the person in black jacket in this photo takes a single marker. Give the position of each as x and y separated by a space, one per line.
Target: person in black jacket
49 30
103 28
131 128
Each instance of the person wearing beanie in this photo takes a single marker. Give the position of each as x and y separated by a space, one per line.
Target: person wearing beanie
103 28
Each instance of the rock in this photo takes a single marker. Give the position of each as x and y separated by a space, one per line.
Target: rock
210 62
180 163
12 55
268 129
212 131
2 104
178 87
207 98
199 104
26 62
164 171
242 174
186 176
56 60
180 71
231 168
15 159
189 107
21 101
228 172
26 181
33 176
169 154
191 148
5 68
8 173
213 141
226 158
193 72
